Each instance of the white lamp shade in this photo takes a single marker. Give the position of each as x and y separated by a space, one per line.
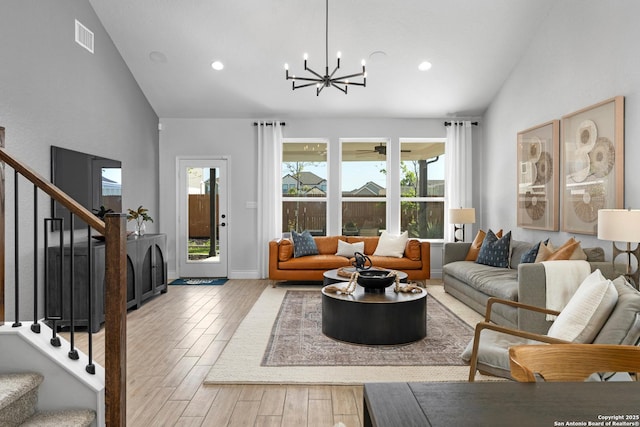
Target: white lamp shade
462 216
619 225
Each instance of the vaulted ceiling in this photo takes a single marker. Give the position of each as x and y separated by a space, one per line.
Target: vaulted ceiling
169 46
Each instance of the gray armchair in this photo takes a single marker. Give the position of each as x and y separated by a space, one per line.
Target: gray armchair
488 352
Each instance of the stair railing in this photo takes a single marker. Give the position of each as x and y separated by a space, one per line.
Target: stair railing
113 228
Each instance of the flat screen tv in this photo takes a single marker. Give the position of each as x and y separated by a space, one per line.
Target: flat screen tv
91 180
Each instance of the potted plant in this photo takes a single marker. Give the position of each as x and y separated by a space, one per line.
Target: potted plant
140 216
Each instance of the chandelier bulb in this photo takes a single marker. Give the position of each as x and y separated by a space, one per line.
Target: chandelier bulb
286 66
364 62
339 55
305 56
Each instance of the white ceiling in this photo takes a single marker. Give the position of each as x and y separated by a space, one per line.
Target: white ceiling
472 44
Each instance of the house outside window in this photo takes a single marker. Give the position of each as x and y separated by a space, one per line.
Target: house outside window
422 188
364 187
304 186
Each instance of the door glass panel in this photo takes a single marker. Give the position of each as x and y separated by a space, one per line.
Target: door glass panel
202 214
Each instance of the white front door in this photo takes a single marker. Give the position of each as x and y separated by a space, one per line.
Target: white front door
202 218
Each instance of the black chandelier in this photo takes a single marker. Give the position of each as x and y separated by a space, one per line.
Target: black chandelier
341 83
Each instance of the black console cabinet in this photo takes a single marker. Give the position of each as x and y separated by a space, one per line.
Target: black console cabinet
146 277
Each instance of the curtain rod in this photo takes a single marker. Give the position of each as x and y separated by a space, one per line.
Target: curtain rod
269 124
456 123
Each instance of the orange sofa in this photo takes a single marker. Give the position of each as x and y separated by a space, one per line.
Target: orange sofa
284 267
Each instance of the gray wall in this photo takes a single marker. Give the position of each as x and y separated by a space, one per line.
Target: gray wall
54 92
237 140
585 52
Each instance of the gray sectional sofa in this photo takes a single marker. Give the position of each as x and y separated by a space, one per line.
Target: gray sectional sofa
474 283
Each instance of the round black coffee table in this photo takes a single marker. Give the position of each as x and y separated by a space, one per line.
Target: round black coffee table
387 318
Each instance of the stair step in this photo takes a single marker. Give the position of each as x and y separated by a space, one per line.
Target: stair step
18 397
67 418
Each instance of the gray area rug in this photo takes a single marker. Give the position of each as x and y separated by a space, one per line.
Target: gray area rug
241 360
297 339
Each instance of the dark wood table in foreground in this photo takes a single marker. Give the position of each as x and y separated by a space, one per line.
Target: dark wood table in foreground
502 404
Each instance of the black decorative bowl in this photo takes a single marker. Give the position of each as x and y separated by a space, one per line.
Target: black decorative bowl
375 281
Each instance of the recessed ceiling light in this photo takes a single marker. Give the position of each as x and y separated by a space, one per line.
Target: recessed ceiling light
217 65
424 66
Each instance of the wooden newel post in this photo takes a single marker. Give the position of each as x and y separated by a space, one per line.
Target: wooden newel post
116 320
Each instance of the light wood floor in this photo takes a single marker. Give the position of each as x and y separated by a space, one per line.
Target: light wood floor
173 340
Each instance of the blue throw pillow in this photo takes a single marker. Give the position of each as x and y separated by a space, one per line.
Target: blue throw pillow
495 252
303 244
530 256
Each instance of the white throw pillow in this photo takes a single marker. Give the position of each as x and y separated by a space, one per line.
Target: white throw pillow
587 310
391 245
349 249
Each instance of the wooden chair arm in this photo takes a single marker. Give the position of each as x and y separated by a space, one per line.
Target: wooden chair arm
493 300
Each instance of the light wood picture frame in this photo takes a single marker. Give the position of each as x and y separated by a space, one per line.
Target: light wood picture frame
537 176
592 151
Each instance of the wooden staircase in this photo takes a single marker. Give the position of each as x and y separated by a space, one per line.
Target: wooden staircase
18 402
113 228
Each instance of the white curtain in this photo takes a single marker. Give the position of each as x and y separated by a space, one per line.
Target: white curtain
269 190
458 171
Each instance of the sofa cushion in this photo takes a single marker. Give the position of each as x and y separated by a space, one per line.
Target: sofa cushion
623 325
303 244
474 250
492 281
285 250
370 242
413 250
587 310
493 354
394 263
594 254
570 249
327 245
392 245
518 250
495 251
315 262
530 255
349 249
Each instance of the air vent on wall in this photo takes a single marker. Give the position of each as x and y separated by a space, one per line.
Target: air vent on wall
84 36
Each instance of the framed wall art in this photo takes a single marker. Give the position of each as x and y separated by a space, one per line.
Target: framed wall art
592 151
537 176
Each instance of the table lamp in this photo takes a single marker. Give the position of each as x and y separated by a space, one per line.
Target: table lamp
461 216
622 225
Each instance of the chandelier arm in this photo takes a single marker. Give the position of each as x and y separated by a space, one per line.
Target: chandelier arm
348 83
321 77
333 72
305 85
343 89
307 79
349 76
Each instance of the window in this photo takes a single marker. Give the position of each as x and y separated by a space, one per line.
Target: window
422 188
304 186
383 185
364 187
